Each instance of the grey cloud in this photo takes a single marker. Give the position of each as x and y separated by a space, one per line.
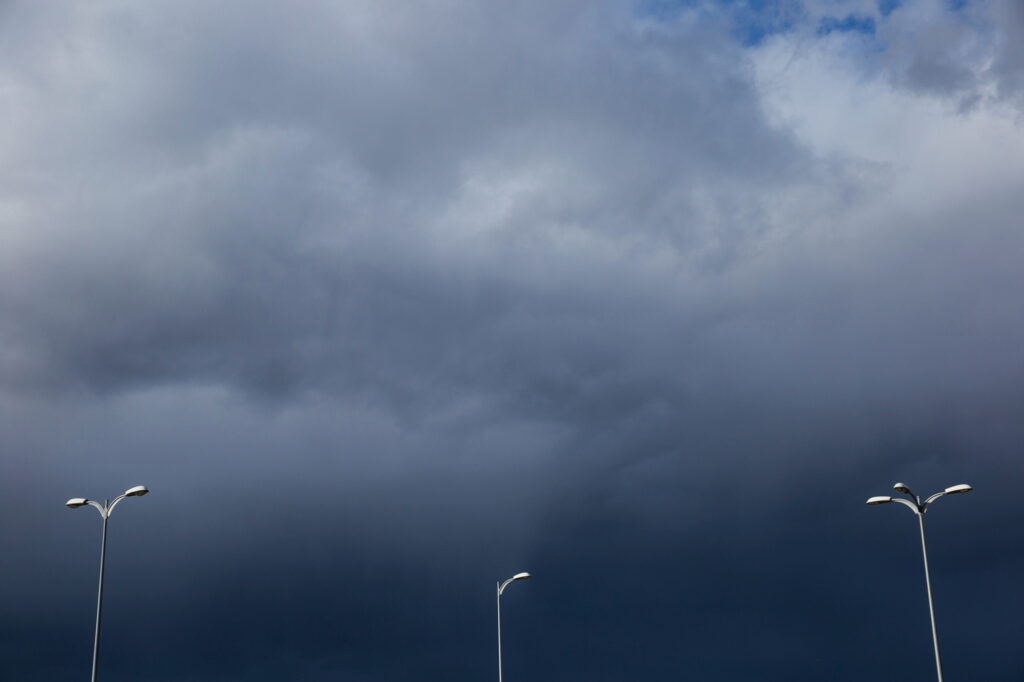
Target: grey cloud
1008 65
968 51
383 302
304 245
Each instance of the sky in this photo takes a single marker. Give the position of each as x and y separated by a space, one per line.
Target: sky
387 302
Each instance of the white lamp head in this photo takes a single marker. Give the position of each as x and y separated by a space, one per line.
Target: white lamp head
137 491
961 488
902 488
76 502
520 576
881 499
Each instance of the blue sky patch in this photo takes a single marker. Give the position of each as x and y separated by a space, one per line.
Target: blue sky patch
887 7
849 24
751 21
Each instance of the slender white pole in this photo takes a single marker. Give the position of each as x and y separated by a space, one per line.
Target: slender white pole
931 608
499 632
99 596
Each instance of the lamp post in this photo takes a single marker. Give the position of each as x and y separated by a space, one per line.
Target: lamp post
919 508
104 508
501 588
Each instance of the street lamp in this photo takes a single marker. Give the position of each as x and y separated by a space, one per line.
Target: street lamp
104 509
919 508
501 588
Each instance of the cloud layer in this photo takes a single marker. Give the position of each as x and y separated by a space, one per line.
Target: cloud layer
386 302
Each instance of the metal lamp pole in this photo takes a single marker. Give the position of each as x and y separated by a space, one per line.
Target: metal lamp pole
919 508
104 509
501 588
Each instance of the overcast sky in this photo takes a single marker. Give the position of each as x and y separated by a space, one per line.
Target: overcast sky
387 301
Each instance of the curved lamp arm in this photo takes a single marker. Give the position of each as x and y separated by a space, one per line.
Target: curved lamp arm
134 491
114 503
885 499
951 490
913 507
517 576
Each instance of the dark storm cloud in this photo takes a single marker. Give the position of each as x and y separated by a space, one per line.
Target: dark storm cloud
386 303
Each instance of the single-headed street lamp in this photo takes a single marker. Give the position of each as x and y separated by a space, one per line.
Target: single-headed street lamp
501 588
104 509
919 508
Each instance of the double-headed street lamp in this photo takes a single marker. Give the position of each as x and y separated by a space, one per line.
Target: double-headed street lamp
919 508
104 509
501 588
